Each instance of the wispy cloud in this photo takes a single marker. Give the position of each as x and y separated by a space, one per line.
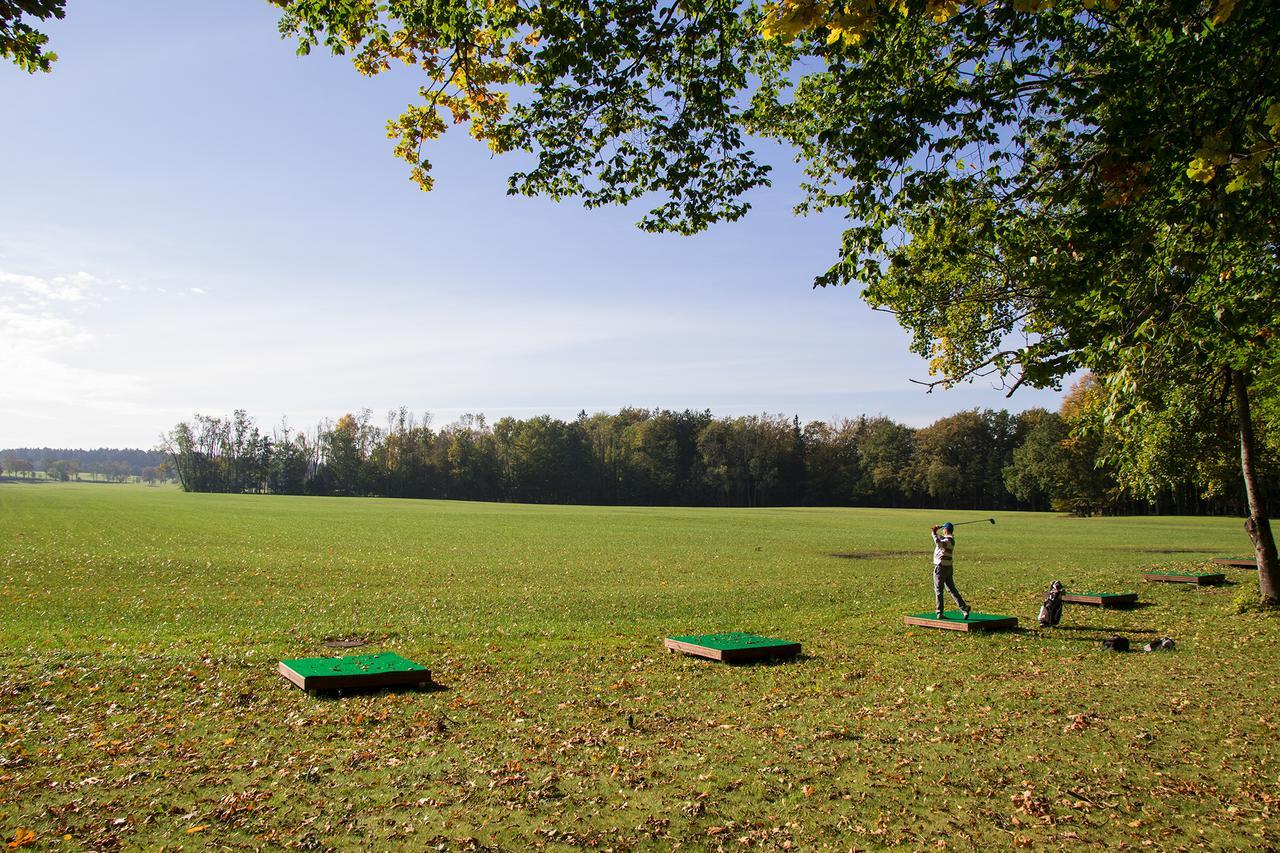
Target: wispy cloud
41 326
34 290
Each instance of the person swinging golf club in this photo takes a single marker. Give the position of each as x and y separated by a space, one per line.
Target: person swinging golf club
943 546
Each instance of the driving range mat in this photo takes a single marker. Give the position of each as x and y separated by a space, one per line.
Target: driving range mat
732 647
387 669
1101 599
1201 579
953 620
1236 562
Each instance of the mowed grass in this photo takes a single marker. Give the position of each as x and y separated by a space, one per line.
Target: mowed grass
139 703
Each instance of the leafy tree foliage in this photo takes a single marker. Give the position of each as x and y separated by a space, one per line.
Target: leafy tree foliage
62 470
20 41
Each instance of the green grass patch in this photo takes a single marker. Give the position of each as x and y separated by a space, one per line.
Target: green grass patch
140 706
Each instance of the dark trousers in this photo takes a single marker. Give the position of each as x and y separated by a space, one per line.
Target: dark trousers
942 577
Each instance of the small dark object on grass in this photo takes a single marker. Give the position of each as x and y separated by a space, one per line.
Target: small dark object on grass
1051 610
1115 644
1164 644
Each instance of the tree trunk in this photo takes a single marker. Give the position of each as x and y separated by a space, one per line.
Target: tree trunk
1259 523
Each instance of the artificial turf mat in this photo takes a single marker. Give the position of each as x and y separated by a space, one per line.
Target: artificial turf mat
733 646
386 669
953 620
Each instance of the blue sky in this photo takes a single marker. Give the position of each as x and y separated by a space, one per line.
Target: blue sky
195 219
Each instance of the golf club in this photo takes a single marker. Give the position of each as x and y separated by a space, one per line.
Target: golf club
975 521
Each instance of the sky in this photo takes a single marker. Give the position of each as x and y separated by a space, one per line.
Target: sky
195 219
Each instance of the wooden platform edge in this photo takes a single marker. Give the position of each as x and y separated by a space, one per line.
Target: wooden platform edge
1123 599
691 649
960 625
1199 580
785 650
400 678
295 678
1236 564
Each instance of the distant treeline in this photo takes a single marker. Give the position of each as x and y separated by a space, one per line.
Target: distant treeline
988 460
62 463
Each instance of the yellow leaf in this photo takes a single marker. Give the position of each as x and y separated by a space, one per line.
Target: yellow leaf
21 838
792 17
201 828
942 10
1273 118
1223 11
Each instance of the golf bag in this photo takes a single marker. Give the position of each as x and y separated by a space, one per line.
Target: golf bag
1115 644
1051 610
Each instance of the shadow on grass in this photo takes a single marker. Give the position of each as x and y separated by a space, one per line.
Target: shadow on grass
351 692
1170 550
765 662
1111 628
747 664
873 555
1094 634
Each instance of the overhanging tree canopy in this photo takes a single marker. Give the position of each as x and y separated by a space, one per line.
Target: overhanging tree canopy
1033 187
20 41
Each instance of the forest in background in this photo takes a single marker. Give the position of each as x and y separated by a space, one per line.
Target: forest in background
61 463
976 459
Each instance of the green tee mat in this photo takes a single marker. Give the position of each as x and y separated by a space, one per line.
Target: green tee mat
1200 579
953 620
1101 599
387 669
732 647
1237 562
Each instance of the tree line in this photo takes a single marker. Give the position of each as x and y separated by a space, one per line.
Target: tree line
977 459
61 463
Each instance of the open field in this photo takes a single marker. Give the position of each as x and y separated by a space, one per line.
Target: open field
139 704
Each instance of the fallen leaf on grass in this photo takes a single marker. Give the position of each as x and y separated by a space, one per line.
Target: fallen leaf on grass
201 828
21 838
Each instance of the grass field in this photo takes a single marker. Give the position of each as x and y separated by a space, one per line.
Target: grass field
139 703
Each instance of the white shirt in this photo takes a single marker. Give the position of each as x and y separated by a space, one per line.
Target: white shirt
942 547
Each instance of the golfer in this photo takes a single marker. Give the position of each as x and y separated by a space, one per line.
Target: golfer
943 545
